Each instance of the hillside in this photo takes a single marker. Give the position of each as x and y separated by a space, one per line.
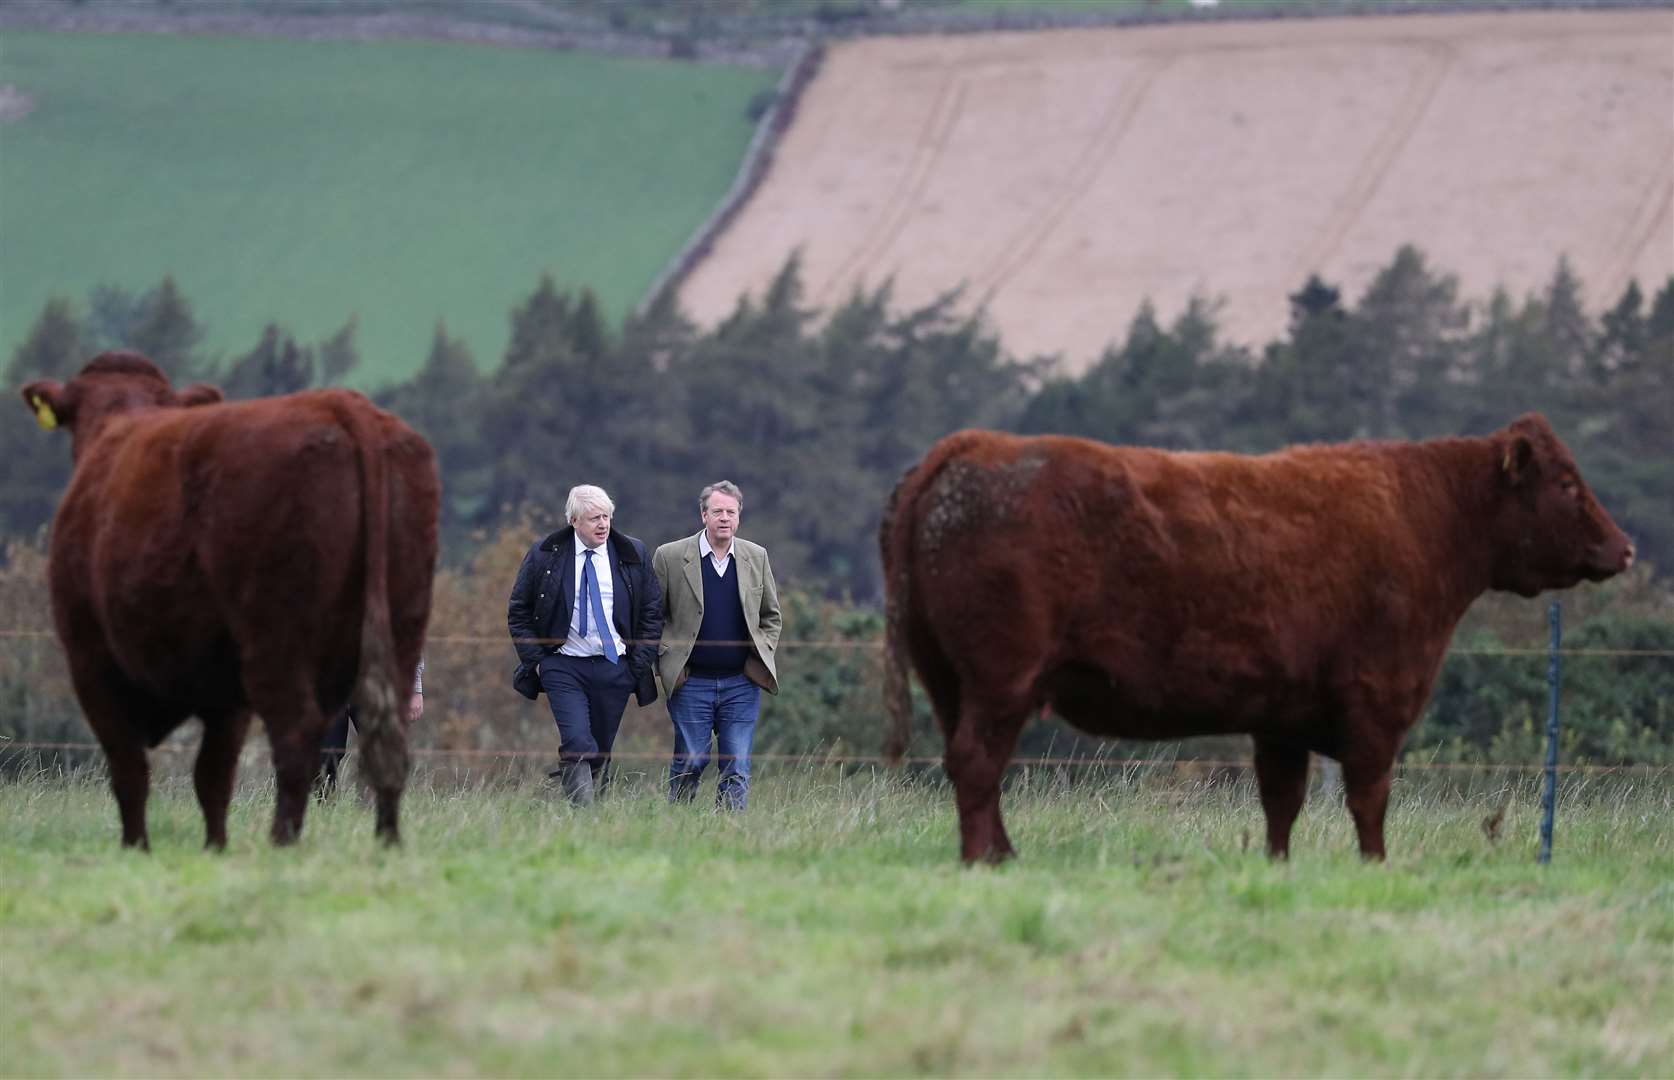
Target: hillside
1064 176
309 182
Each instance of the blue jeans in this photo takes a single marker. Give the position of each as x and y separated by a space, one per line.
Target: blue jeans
725 708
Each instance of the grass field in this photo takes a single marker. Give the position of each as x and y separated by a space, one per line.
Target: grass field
310 181
830 932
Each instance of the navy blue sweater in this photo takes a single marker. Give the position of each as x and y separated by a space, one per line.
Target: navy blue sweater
723 622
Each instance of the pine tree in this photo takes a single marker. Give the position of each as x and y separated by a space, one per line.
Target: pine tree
112 314
540 328
38 462
1566 327
1488 358
277 365
659 333
1623 336
1659 327
1305 389
52 350
1409 329
587 329
337 355
548 408
165 330
1625 442
443 402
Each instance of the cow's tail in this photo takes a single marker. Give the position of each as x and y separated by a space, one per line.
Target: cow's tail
895 547
378 691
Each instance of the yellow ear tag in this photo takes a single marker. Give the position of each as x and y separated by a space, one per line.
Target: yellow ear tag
44 415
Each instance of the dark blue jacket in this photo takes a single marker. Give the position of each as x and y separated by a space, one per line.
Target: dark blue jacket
543 596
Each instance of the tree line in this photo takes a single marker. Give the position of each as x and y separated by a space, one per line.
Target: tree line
816 414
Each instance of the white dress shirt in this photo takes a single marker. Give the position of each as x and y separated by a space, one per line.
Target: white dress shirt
592 645
720 562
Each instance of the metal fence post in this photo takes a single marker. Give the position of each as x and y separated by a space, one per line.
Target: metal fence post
1554 670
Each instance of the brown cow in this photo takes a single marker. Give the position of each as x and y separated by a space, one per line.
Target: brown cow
1304 597
216 559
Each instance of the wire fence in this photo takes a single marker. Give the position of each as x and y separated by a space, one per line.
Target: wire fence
850 643
546 750
872 644
815 759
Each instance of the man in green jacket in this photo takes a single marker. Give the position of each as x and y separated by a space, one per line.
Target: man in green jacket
720 635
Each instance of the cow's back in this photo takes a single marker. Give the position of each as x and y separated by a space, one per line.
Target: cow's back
1189 591
201 542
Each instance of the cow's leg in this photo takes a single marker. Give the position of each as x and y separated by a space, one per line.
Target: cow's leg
1282 776
978 751
295 748
1366 792
941 686
223 738
119 715
292 770
388 827
130 781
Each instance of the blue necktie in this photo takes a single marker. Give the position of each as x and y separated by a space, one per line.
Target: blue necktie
590 599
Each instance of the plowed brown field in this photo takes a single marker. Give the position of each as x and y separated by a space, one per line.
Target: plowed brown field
1064 176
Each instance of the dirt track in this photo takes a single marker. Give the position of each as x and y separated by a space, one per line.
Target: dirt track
1065 175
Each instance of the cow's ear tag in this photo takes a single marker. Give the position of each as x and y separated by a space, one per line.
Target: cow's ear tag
44 415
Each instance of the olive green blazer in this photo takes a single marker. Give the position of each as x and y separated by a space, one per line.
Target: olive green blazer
680 574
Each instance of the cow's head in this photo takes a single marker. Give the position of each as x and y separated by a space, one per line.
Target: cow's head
112 383
1549 530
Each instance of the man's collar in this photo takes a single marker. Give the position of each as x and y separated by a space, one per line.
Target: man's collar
581 545
706 549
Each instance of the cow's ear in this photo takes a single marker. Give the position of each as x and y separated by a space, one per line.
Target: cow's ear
1517 459
198 394
48 401
1531 424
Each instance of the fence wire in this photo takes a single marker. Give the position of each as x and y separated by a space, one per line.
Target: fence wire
848 643
11 747
840 759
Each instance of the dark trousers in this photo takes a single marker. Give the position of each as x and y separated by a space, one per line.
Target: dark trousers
587 695
332 748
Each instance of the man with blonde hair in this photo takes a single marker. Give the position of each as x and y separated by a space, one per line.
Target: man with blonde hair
722 632
585 616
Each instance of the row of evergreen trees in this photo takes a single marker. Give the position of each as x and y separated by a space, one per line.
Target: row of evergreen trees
815 414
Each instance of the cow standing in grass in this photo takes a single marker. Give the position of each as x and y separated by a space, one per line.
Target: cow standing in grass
216 559
1304 597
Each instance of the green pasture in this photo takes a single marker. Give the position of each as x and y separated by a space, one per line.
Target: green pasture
830 932
307 182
